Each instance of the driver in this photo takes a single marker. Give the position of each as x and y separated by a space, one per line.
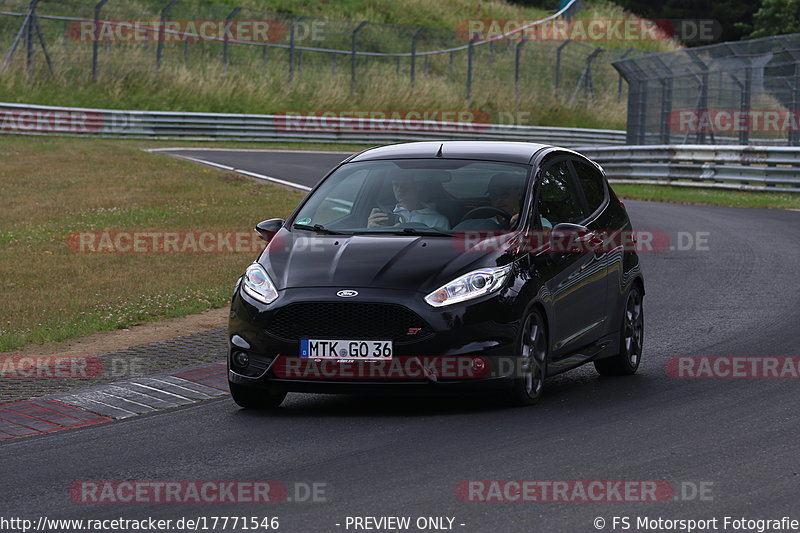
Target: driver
410 206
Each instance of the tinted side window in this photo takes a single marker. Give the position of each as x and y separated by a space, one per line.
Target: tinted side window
558 197
591 181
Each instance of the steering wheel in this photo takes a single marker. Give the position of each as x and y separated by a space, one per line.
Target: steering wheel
487 211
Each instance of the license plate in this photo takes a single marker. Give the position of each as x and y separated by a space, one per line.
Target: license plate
346 349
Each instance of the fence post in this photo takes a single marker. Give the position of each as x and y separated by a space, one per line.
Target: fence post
619 81
414 53
353 54
517 51
641 112
558 65
225 36
291 45
702 98
794 133
161 28
96 35
29 25
470 59
29 38
666 110
22 32
631 131
586 78
637 101
664 132
744 134
34 22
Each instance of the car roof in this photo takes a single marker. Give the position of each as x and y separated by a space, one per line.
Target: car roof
511 152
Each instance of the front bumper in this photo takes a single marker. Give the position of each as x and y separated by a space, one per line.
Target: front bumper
464 346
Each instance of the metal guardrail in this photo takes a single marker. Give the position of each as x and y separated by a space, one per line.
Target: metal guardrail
771 168
733 167
49 120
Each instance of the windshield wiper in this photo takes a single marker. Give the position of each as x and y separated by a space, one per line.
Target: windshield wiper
416 231
318 228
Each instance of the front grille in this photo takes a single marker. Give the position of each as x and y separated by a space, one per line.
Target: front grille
348 321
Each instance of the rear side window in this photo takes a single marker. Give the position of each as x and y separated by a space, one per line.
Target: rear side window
559 200
591 181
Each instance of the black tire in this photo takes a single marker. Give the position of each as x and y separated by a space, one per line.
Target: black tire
531 361
626 362
255 398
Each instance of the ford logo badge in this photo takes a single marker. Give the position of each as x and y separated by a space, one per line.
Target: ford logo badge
347 293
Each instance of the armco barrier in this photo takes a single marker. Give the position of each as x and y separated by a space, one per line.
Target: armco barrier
775 168
737 167
49 120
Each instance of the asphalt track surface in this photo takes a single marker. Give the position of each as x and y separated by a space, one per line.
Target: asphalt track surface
405 456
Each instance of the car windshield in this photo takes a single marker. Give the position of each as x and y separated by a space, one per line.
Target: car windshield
417 196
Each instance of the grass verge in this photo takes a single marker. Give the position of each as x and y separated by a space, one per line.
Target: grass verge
703 196
55 186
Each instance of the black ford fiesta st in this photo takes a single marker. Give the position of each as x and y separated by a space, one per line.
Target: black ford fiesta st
440 266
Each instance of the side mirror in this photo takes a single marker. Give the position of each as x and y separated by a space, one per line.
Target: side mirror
268 228
566 238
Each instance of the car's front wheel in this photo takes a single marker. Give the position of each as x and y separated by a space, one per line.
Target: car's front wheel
531 361
255 398
626 362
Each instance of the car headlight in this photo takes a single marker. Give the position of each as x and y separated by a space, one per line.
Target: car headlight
469 286
258 285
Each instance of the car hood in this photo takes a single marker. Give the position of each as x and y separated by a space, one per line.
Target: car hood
421 263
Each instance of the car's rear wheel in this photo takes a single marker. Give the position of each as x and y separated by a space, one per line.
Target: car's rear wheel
531 361
255 398
626 362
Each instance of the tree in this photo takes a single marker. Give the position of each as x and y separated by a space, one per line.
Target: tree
734 16
776 17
